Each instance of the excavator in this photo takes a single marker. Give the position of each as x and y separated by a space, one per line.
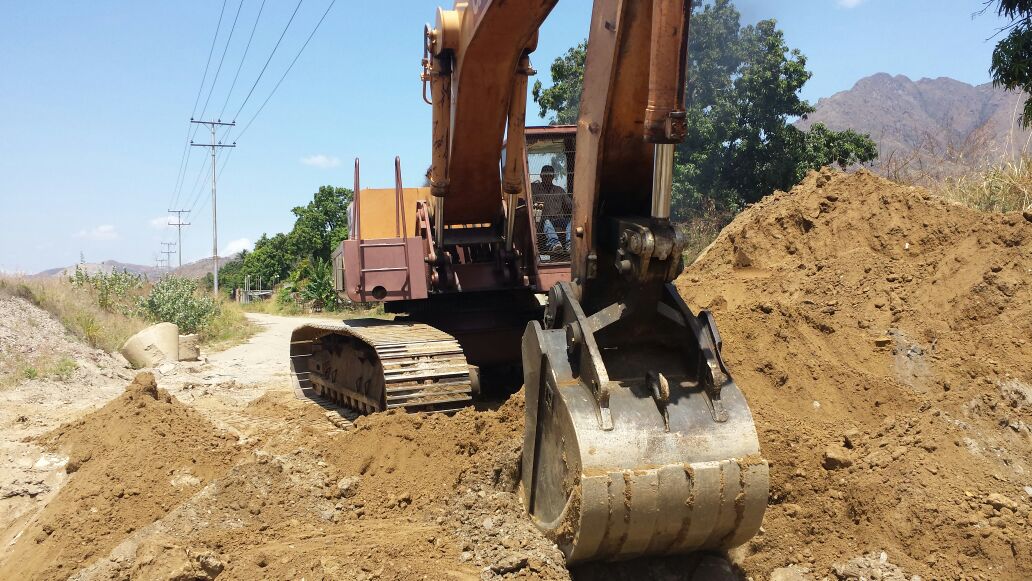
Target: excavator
550 251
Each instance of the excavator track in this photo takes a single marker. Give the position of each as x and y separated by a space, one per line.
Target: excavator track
372 365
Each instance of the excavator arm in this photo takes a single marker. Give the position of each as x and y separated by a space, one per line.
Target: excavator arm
637 440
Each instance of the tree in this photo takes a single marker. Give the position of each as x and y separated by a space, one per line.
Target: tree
231 272
563 96
743 91
319 227
321 224
271 258
1012 58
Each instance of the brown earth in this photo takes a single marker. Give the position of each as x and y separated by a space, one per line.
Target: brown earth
881 336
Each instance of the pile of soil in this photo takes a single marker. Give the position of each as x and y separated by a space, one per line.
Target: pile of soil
129 463
31 340
156 491
883 338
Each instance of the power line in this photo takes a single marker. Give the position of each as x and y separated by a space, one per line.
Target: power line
222 168
184 161
225 49
179 223
225 160
242 59
282 34
174 196
196 189
208 64
214 145
165 249
297 56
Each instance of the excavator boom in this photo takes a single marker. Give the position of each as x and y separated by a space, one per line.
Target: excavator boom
637 441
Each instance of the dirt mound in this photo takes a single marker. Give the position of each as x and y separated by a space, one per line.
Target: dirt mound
46 375
400 496
882 337
130 462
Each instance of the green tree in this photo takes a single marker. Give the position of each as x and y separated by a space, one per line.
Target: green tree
1012 58
231 272
271 258
743 91
321 224
563 96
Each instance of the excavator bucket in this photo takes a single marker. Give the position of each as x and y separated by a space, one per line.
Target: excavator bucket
637 441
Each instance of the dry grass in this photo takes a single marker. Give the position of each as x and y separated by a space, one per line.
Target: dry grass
230 327
701 229
39 366
978 173
273 307
353 311
1002 187
77 309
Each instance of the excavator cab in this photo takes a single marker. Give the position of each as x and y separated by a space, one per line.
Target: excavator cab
550 158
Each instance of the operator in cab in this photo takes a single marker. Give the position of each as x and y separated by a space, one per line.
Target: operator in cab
556 209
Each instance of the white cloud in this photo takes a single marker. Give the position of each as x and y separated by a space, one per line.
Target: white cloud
102 232
161 223
236 246
321 161
850 3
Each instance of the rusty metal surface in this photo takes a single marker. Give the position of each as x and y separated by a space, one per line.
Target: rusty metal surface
614 162
379 270
493 36
374 365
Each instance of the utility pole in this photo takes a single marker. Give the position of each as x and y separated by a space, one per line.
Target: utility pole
179 223
214 206
165 249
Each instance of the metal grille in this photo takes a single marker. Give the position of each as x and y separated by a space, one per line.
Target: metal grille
553 202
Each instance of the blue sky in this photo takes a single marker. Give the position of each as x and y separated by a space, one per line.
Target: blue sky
96 97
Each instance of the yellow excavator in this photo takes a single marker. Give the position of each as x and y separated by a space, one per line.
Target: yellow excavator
549 252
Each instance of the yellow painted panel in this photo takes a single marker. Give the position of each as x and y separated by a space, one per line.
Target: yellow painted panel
380 218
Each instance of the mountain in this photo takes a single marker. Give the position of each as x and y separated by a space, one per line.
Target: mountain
107 266
199 268
196 269
929 127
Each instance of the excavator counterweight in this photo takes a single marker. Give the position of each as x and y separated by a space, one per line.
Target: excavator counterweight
637 441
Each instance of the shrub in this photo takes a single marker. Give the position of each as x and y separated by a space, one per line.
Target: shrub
319 288
115 292
65 368
175 300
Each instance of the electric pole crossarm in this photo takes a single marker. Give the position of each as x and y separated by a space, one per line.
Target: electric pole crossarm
214 145
179 223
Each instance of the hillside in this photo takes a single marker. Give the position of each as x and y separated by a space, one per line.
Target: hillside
195 269
106 266
931 126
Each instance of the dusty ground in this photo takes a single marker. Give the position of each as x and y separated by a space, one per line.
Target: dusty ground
884 340
881 336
